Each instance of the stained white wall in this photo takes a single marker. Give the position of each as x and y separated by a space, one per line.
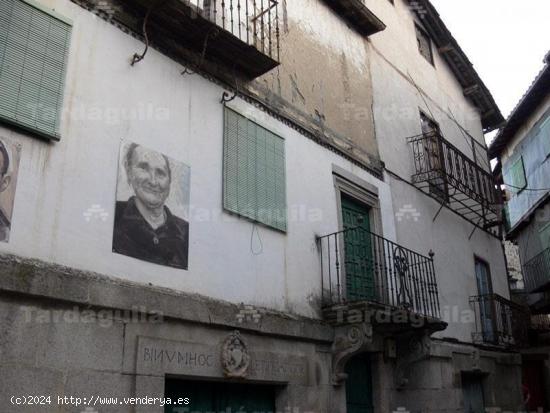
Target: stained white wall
58 182
395 59
182 117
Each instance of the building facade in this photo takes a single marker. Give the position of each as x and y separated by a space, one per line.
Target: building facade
522 148
252 205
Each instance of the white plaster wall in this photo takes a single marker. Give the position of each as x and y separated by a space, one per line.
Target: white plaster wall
328 29
397 45
396 108
58 182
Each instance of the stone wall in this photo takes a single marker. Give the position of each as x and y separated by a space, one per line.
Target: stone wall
66 332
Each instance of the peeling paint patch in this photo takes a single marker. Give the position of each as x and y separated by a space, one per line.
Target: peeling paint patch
296 93
345 78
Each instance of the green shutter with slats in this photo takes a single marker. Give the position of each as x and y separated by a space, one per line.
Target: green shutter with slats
544 136
544 234
254 171
33 54
515 178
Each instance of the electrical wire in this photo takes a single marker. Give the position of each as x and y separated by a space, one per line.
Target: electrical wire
467 140
452 116
421 95
212 33
527 189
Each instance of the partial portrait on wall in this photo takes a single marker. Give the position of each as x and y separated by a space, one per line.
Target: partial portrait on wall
152 207
10 153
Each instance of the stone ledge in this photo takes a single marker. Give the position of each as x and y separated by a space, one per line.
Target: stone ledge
39 279
449 349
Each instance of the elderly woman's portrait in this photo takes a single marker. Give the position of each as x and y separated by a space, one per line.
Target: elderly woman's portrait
9 168
152 207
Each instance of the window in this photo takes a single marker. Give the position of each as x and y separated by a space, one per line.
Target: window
33 53
485 289
544 136
424 44
428 124
432 153
483 277
515 178
254 172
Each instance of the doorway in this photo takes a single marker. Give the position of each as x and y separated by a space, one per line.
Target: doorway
210 396
472 391
533 384
359 385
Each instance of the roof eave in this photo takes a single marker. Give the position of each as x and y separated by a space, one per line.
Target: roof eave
538 90
474 88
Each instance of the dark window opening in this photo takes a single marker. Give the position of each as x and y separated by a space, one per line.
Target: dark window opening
424 44
433 149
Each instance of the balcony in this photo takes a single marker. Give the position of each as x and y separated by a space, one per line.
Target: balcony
454 180
358 15
380 276
536 272
239 35
500 322
540 323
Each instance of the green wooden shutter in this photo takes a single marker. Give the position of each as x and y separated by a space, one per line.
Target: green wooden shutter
515 177
254 171
358 251
544 234
33 54
544 136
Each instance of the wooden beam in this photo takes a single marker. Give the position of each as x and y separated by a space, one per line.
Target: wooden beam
470 90
446 49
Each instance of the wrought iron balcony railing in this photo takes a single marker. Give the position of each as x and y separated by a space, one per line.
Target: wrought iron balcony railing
359 266
254 22
449 176
540 323
242 35
500 322
536 272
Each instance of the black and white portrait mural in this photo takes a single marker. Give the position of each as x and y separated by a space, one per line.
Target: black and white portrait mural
152 208
10 153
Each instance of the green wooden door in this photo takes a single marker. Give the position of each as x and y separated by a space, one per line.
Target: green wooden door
210 397
359 265
359 385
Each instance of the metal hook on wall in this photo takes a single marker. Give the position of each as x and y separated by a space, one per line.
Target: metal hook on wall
136 58
227 99
225 96
186 71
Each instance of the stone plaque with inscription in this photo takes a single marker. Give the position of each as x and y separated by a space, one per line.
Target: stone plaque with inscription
158 357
